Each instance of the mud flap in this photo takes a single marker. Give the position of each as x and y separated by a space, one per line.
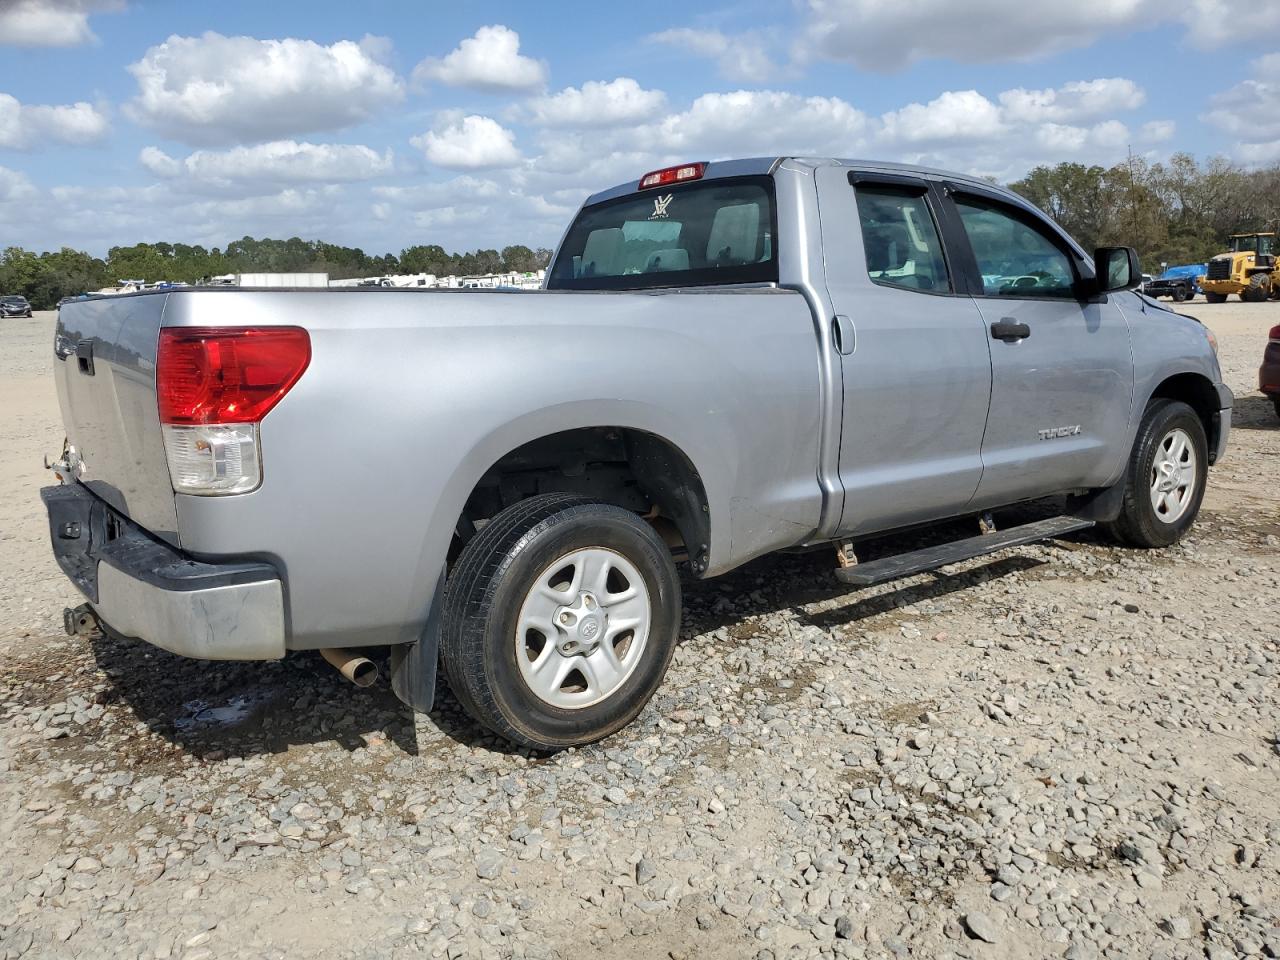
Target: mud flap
413 665
1101 506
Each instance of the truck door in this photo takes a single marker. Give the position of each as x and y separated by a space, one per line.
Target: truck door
915 362
1062 368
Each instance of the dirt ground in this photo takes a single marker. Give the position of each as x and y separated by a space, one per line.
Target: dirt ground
1065 750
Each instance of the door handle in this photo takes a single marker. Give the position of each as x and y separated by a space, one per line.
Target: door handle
1007 328
843 334
84 357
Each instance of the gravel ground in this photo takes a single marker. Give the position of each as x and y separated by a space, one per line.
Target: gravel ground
1067 750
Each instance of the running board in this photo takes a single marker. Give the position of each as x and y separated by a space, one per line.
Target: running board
930 558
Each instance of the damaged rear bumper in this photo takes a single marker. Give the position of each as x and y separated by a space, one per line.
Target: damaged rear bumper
143 588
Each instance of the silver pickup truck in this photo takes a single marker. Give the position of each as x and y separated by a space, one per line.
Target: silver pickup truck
728 359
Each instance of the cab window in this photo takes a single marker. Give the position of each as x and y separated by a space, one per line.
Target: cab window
1014 257
900 239
709 232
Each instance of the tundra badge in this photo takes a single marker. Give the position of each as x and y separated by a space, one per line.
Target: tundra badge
1054 433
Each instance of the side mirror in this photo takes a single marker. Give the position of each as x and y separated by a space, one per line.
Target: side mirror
1117 268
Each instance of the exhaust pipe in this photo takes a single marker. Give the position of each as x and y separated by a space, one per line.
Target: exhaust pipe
80 621
359 669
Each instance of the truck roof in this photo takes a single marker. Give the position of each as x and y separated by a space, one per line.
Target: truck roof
761 166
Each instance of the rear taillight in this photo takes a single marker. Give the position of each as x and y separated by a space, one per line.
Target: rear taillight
1275 333
668 175
213 386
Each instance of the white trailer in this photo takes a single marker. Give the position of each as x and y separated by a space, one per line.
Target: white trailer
282 279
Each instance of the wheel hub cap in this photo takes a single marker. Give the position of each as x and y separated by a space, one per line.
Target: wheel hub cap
582 628
1173 476
583 624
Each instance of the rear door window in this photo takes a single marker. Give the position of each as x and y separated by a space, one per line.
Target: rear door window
711 232
901 240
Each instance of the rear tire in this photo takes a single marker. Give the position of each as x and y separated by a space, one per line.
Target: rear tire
1165 479
1275 402
596 567
1215 297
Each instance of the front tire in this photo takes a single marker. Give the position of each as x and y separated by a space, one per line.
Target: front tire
560 620
1165 480
1258 290
1211 297
1179 294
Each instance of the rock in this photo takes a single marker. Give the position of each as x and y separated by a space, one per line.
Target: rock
646 870
1178 927
489 865
982 927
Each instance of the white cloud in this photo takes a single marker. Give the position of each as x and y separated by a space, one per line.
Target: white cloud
1061 138
215 90
433 196
279 160
876 35
14 186
1072 102
490 61
598 104
1215 23
49 23
759 122
469 143
740 58
952 116
23 126
1157 131
1248 112
159 162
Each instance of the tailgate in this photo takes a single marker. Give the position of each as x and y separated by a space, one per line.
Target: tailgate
105 368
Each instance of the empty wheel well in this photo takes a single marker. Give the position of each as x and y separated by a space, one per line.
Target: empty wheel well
1197 392
630 468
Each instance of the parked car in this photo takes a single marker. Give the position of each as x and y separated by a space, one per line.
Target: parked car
504 482
1269 372
1179 288
1181 283
14 306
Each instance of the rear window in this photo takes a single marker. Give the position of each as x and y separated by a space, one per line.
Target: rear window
712 232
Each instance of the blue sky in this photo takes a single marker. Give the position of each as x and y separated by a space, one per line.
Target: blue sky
386 124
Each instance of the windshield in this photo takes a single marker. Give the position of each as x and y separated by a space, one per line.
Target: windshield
713 232
1255 244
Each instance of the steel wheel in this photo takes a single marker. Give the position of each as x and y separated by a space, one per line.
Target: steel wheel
582 628
1173 476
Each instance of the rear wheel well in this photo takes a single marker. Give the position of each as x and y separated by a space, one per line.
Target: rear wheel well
633 469
1197 392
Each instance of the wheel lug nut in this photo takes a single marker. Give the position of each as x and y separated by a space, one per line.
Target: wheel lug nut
588 603
566 618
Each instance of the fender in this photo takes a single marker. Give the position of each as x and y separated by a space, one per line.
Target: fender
413 665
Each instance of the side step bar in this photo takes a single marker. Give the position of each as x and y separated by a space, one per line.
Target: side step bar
930 558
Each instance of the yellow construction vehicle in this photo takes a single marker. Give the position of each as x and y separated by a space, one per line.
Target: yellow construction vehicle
1249 268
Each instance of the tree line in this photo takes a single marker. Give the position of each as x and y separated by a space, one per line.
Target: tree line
45 278
1177 212
1180 212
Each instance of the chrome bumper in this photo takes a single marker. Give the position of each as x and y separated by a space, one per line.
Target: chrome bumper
143 588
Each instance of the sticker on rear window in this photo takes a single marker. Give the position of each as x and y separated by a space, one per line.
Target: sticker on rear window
660 205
